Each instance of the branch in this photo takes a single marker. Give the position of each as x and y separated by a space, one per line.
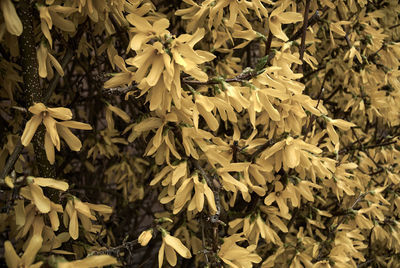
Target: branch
243 77
311 21
304 33
31 79
114 251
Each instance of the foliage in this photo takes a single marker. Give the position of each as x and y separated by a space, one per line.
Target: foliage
229 133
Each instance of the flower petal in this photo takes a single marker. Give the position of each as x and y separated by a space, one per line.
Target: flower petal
41 201
49 148
75 124
12 259
30 129
13 23
73 142
48 182
50 124
176 244
60 113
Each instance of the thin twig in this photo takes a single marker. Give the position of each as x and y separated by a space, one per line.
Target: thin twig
304 33
311 21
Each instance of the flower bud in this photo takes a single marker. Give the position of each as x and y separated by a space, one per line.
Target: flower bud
145 237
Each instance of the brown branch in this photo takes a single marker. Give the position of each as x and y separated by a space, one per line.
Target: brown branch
303 35
268 43
394 26
32 89
311 21
243 77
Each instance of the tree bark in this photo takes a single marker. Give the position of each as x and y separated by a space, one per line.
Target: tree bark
31 87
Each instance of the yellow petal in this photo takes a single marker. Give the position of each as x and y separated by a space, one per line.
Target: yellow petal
138 40
343 125
290 17
20 216
51 128
170 255
73 142
160 255
156 70
12 259
160 25
56 64
62 23
49 148
41 55
83 209
100 208
9 182
176 244
54 220
123 115
60 113
292 156
276 29
75 124
13 23
92 261
179 172
210 199
41 201
73 225
37 108
148 124
38 225
118 80
30 129
139 22
33 247
48 182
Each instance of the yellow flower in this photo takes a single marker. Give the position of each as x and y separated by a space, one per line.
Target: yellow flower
76 209
145 237
188 58
34 192
278 17
54 129
126 77
145 31
278 198
236 256
169 245
45 60
151 62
